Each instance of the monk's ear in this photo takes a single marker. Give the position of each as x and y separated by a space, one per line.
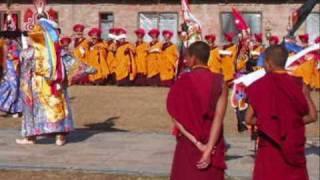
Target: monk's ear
268 66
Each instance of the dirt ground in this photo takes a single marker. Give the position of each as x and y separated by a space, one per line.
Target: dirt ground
138 109
68 175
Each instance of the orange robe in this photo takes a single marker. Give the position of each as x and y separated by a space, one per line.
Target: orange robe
126 65
153 60
214 63
81 50
141 51
228 63
169 57
112 63
97 58
309 71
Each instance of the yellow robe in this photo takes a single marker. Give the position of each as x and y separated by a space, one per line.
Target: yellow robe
228 63
141 51
97 58
168 63
125 62
112 63
309 71
214 63
81 51
153 60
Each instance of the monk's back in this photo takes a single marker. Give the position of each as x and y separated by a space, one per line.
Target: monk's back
279 105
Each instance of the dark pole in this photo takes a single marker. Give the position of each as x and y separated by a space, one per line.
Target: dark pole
303 13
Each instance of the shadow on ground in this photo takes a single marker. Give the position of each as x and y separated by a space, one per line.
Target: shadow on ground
82 134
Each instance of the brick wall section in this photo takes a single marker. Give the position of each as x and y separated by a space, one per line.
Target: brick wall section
127 15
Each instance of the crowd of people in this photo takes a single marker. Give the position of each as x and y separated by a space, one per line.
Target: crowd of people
120 62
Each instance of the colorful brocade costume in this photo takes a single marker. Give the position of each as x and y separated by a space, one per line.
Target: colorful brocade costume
10 99
45 98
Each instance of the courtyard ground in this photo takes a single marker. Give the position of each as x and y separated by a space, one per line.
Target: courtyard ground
123 134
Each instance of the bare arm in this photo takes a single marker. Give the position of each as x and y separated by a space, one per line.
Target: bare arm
190 137
312 116
250 117
215 129
185 132
218 119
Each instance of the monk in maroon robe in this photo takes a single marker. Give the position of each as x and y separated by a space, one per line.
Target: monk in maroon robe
197 103
280 106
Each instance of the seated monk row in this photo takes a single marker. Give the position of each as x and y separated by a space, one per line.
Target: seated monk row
119 61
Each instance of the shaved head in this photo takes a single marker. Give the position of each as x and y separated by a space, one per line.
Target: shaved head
277 56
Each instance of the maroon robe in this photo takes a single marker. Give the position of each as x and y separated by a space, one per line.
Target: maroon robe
191 102
279 105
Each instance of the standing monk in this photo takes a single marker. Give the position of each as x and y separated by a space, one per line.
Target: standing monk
214 62
256 49
280 115
197 103
154 58
169 57
141 51
111 51
228 57
126 66
81 47
97 57
80 43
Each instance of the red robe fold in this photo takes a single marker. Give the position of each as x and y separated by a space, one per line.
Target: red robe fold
279 105
192 101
